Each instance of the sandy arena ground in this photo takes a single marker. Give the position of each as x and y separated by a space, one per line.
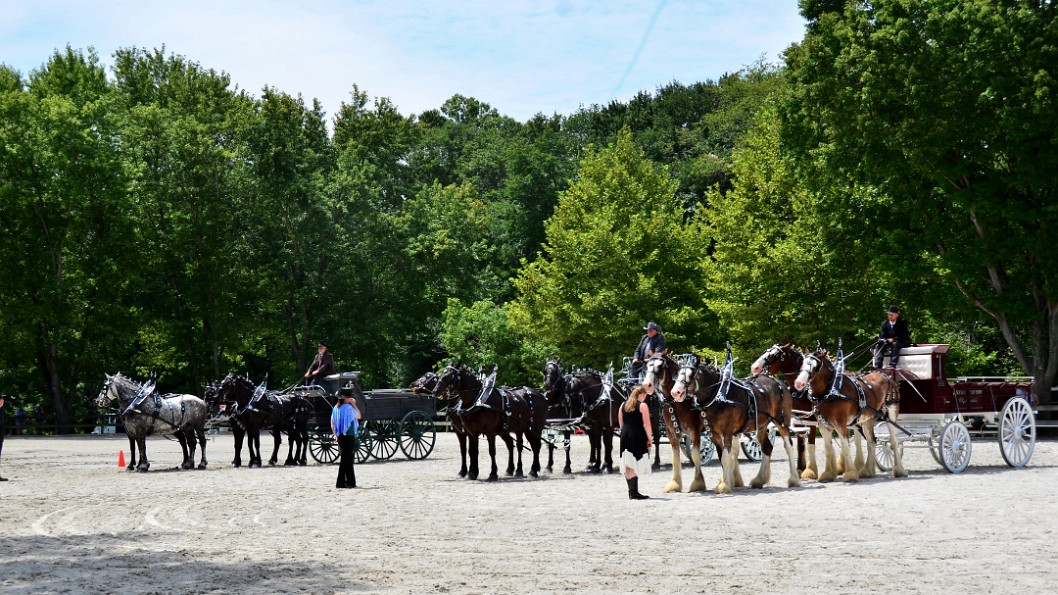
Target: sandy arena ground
72 522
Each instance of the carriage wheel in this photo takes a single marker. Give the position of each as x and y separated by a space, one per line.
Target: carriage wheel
883 448
1017 432
751 448
364 444
417 435
955 446
384 436
323 447
708 450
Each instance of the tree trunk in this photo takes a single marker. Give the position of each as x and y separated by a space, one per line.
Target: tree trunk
50 368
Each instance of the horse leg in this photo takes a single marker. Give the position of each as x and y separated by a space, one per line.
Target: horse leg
851 472
607 442
810 470
801 464
534 442
493 476
144 463
473 448
698 483
763 477
201 432
869 469
595 442
567 437
518 442
510 453
676 483
188 449
303 459
860 462
277 440
291 439
736 467
132 454
239 434
551 454
830 463
787 443
894 443
461 437
727 478
253 445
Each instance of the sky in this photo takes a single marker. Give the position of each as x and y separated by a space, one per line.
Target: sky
522 57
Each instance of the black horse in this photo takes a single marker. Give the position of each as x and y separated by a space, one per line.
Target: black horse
592 400
253 408
460 387
145 413
500 410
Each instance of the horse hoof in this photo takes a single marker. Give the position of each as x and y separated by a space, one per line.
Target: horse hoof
302 463
289 464
594 470
534 474
519 475
130 468
567 471
201 465
493 478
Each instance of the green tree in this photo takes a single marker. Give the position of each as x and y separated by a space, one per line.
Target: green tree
64 229
618 253
947 108
480 335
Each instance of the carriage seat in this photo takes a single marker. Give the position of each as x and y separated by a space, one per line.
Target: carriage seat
916 363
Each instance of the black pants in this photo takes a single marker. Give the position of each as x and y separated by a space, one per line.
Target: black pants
346 474
890 349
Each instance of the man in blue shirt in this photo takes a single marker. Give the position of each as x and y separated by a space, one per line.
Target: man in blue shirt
346 425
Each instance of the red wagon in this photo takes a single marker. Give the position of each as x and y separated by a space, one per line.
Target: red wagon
945 414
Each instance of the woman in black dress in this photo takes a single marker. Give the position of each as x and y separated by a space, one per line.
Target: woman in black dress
636 440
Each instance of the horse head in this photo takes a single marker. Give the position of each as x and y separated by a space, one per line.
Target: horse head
425 384
660 370
816 370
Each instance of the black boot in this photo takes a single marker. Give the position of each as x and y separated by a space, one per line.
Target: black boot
633 490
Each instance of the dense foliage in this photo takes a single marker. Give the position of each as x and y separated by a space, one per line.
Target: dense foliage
155 218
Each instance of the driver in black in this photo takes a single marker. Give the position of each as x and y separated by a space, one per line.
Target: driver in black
893 337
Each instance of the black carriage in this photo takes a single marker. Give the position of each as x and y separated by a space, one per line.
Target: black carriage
390 419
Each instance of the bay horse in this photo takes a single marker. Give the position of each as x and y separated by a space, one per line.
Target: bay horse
253 408
731 407
523 413
841 400
145 413
682 418
658 377
785 360
592 401
459 386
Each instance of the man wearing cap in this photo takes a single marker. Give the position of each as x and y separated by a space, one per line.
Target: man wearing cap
346 425
322 367
892 339
651 343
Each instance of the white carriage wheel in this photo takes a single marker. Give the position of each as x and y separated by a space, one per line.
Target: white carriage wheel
955 446
883 453
752 449
934 449
706 448
1017 432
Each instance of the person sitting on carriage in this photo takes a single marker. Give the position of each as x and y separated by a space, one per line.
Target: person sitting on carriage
649 344
893 337
322 367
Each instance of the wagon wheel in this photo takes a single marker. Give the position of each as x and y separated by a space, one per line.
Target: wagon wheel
934 449
883 447
955 446
417 435
384 434
1017 432
883 453
364 443
555 437
751 448
705 448
323 447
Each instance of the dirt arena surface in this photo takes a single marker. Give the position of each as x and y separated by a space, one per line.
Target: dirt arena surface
72 522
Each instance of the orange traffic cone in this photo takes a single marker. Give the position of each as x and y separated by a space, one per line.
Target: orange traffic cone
121 459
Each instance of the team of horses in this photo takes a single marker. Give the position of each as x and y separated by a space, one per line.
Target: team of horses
788 389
